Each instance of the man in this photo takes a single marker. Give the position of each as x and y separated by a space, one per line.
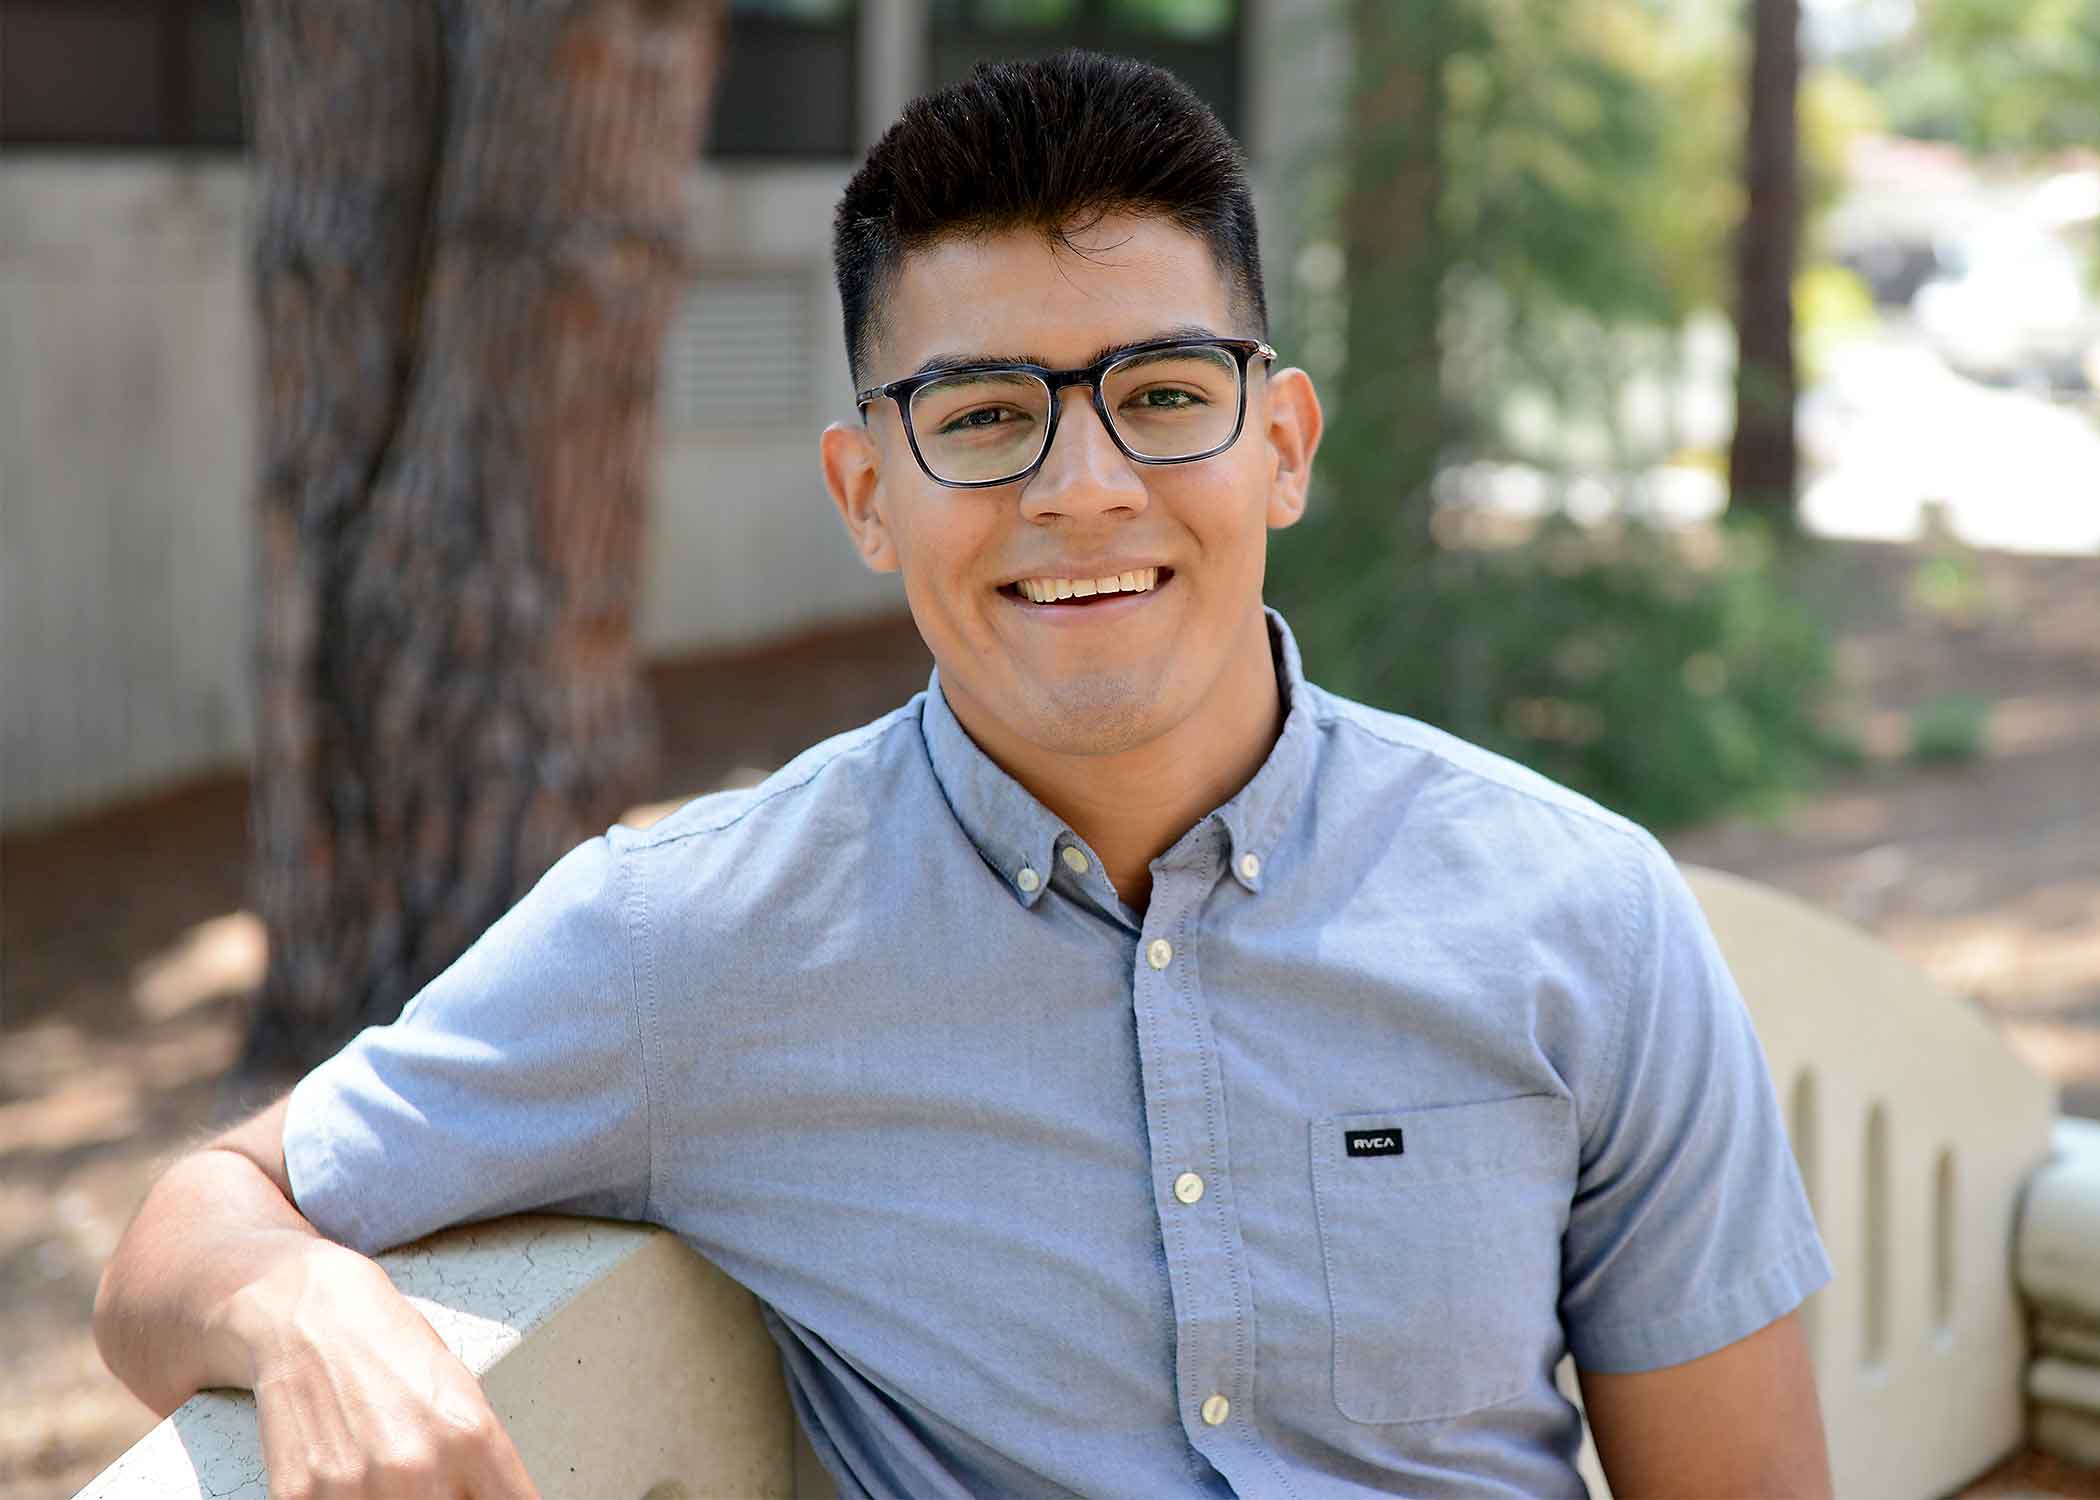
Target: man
1124 1070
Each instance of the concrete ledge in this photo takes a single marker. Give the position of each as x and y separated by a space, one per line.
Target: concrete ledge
622 1364
2057 1262
1915 1126
2058 1258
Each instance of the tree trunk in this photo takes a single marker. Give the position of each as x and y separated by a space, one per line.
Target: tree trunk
469 240
1761 459
1392 390
1365 561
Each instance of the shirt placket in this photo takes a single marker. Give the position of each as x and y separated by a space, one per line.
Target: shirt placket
1192 1181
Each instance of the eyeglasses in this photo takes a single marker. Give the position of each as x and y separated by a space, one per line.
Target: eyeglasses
1170 402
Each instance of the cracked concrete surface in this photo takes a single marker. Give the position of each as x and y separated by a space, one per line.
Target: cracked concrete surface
485 1289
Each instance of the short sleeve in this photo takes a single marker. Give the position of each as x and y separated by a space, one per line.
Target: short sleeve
1689 1228
512 1081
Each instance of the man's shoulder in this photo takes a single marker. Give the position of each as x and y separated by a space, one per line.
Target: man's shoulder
852 769
1452 783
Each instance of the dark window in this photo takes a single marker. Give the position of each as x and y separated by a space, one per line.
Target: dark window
1198 40
120 73
789 84
214 73
168 73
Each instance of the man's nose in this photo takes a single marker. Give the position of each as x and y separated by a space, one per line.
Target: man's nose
1084 473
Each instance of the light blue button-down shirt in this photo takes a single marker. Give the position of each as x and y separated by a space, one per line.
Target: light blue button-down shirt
1417 1071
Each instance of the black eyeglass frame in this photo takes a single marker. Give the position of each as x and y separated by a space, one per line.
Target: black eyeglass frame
1091 376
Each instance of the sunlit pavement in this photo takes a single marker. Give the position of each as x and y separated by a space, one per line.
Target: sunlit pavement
1890 433
1895 447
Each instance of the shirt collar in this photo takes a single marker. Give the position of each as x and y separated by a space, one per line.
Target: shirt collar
1019 837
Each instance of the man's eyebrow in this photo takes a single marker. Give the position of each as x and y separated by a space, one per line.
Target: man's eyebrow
952 360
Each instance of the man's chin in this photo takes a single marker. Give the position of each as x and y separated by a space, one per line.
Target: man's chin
1093 717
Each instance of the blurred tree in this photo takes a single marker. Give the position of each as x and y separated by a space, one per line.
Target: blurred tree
1501 162
469 237
1537 200
1371 528
1396 253
1761 458
1996 75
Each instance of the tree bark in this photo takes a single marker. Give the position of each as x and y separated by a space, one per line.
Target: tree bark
1396 260
1365 561
1761 459
469 240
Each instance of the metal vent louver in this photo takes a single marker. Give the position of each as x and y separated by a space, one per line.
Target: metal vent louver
737 353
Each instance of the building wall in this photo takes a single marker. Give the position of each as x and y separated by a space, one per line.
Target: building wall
126 347
127 427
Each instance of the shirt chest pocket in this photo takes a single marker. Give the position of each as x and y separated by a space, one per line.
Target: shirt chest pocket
1440 1229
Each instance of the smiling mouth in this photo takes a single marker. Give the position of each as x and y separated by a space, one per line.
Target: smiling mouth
1081 592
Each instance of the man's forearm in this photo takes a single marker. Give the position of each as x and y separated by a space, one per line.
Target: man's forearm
167 1310
220 1281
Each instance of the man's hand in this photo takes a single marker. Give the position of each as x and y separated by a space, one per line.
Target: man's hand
1741 1422
357 1395
220 1281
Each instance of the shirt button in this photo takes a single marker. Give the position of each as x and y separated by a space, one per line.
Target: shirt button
1074 860
1216 1409
1188 1187
1250 866
1160 954
1027 880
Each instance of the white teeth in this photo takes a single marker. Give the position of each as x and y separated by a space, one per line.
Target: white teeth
1049 590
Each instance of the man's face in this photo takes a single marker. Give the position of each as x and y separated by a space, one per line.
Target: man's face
1096 675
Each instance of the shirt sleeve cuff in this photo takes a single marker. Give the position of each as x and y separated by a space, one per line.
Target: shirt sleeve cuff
310 1164
1622 1348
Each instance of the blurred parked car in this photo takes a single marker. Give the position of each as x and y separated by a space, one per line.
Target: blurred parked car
1893 268
2012 304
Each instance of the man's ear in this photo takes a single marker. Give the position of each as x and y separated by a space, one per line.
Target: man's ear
1294 436
853 475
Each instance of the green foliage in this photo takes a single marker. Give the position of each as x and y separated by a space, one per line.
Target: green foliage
1831 305
1951 588
1997 75
1585 163
1837 107
1589 157
1667 688
1197 19
1948 729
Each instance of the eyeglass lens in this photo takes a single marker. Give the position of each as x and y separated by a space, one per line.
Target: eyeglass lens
988 425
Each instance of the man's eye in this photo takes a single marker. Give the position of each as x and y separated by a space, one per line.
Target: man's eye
980 418
1166 398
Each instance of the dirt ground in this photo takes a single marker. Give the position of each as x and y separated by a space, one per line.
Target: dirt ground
125 950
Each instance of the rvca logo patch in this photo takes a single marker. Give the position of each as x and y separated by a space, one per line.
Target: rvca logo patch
1373 1142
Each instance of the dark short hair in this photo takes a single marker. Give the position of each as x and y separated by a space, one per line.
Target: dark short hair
1047 145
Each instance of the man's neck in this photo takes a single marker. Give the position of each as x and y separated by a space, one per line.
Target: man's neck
1132 806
